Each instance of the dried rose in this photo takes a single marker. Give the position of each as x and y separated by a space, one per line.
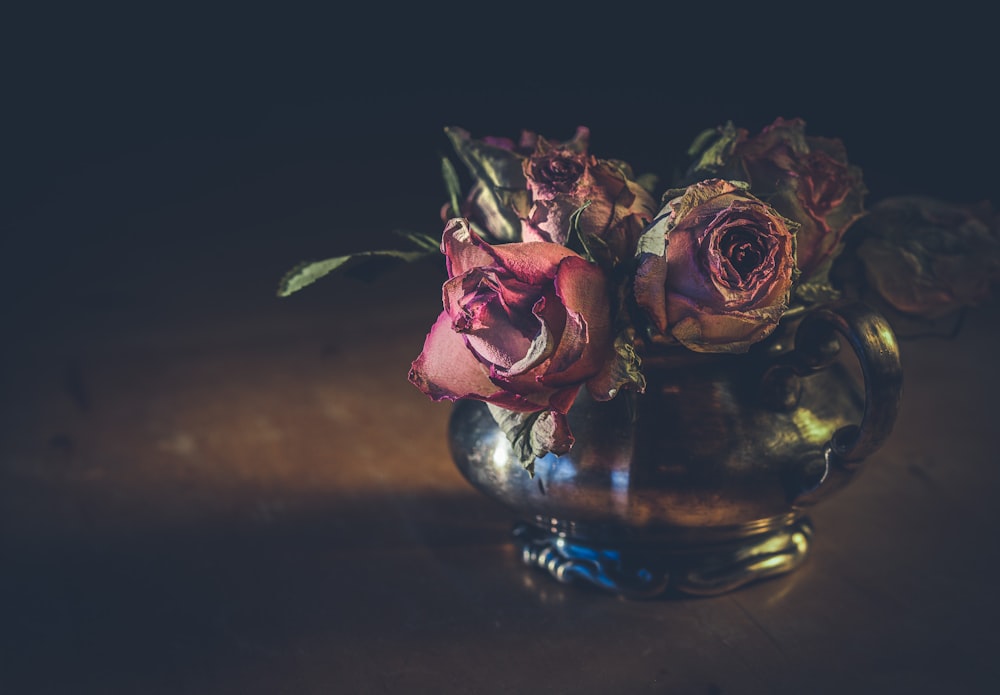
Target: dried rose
496 165
928 257
610 207
715 269
805 178
524 326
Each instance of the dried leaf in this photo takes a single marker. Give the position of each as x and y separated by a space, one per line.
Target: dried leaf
307 273
532 435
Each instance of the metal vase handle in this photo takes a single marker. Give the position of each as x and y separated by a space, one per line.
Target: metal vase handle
877 352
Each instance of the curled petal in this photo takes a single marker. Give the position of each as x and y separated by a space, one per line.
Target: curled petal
650 289
586 342
541 345
533 263
447 370
494 312
463 248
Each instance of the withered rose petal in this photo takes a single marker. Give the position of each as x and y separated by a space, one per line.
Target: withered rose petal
541 346
548 221
562 400
485 319
568 353
447 370
586 343
827 186
703 330
463 248
650 289
532 262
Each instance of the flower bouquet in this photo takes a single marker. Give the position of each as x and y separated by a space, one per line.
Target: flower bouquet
565 270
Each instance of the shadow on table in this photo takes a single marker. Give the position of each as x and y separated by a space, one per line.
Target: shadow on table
151 609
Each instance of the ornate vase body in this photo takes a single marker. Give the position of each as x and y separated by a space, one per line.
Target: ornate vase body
700 484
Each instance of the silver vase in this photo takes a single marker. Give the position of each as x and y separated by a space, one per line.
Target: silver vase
702 483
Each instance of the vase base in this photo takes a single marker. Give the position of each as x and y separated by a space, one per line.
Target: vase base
638 570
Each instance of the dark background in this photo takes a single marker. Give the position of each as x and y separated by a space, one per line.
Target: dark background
206 152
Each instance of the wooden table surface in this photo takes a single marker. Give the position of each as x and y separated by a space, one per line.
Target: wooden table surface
205 489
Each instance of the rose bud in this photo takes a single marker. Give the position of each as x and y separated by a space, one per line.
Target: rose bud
612 207
499 188
524 326
927 257
715 269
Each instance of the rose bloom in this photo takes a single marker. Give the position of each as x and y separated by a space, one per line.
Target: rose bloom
529 190
496 164
563 179
715 269
930 258
524 326
806 179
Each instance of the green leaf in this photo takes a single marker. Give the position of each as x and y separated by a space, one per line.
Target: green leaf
817 290
307 273
649 182
701 141
452 185
713 149
574 226
497 171
495 166
424 242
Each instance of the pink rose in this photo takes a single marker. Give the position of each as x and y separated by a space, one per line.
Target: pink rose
806 179
716 268
499 186
554 171
809 180
524 326
530 191
563 179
